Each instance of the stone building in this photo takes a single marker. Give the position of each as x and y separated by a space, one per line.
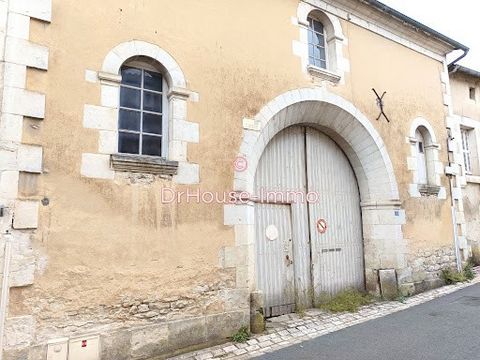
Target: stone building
465 85
144 161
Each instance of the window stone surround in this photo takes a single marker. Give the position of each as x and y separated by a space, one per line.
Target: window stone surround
337 64
104 117
433 188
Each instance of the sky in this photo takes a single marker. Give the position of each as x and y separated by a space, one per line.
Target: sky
457 19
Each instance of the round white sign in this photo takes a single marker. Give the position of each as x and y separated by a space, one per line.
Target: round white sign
271 232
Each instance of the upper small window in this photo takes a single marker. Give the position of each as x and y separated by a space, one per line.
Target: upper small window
317 55
141 113
467 155
472 93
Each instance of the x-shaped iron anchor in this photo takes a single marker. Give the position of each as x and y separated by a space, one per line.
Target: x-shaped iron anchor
380 105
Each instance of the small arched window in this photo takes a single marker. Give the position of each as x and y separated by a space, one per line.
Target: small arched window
142 120
425 163
421 159
317 53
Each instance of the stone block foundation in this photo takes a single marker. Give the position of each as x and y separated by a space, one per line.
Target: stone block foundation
161 339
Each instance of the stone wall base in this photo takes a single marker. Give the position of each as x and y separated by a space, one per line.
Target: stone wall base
158 340
409 289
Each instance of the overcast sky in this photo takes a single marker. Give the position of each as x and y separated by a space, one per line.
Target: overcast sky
457 19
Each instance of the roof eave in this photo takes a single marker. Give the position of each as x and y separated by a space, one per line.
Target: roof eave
451 43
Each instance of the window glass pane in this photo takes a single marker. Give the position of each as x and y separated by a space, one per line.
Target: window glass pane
129 120
316 53
152 123
152 145
310 50
320 40
323 64
322 53
130 98
317 26
128 143
153 81
152 101
311 36
131 76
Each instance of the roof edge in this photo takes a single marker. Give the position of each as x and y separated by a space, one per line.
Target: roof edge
465 70
408 20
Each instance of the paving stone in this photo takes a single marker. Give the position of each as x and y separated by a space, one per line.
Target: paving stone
264 344
218 352
252 348
230 348
290 330
204 356
240 351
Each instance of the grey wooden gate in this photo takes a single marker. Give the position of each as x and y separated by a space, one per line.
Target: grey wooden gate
337 254
304 160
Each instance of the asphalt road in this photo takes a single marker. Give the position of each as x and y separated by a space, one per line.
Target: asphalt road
447 328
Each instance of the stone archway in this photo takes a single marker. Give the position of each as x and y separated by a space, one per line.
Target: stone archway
382 217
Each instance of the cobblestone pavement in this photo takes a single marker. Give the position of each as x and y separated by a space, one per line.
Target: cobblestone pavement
292 329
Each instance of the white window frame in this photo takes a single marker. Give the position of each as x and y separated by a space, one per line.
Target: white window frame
311 29
466 149
141 65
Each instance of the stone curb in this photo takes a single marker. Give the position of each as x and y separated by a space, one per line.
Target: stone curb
291 329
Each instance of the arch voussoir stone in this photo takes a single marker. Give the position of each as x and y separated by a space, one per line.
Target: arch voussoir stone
124 51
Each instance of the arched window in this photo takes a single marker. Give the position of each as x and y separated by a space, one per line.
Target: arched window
321 44
317 52
421 159
142 120
424 161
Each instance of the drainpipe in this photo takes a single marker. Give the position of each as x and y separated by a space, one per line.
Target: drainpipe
5 288
455 233
452 66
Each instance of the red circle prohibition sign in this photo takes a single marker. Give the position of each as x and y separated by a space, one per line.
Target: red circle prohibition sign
322 226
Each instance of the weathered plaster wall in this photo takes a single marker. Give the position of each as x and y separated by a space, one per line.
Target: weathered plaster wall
462 104
112 255
467 113
471 201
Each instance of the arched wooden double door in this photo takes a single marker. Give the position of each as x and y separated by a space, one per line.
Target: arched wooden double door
313 245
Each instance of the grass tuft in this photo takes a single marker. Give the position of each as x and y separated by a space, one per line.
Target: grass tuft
468 271
345 301
242 335
452 276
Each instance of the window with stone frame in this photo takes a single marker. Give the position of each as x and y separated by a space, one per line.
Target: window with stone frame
324 39
469 151
142 120
426 153
317 52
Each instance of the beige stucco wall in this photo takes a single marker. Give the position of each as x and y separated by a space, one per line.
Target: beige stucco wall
102 241
462 104
468 110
